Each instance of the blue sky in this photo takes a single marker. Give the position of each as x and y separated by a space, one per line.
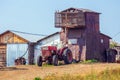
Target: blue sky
37 16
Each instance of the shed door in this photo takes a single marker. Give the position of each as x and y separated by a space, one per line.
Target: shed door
15 51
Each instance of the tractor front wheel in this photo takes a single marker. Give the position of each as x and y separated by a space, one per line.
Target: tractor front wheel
39 61
55 60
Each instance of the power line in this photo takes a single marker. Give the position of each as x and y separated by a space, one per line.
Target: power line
28 33
116 35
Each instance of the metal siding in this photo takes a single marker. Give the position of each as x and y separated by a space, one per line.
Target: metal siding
37 53
14 51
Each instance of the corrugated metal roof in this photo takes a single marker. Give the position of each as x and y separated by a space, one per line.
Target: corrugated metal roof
28 36
86 10
48 36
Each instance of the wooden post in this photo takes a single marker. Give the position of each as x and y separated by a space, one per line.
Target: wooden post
66 29
66 35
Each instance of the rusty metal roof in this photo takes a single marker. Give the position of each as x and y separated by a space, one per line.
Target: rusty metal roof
80 9
29 37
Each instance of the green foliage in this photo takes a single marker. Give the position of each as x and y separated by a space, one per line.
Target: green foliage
37 78
47 65
90 61
113 44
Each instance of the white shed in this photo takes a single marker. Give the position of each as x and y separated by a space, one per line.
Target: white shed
51 40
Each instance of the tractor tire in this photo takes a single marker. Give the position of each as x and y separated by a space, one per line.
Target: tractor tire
55 60
67 56
39 61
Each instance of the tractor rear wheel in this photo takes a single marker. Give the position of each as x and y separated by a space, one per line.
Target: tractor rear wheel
55 60
67 56
39 61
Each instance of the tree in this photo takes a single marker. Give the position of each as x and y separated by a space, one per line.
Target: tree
113 44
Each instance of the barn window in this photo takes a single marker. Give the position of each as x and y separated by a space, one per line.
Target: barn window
72 41
102 41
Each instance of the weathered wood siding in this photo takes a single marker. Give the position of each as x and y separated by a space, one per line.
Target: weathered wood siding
71 18
2 54
104 45
92 36
10 37
78 49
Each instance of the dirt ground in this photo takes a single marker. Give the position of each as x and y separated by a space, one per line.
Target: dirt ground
29 72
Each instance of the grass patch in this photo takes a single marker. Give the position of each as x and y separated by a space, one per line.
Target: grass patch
65 77
89 61
47 65
37 78
108 74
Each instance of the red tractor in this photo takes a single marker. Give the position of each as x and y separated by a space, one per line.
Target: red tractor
51 55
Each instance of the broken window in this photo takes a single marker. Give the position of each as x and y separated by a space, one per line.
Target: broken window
102 41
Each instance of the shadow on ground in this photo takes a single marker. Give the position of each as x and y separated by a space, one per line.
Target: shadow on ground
11 68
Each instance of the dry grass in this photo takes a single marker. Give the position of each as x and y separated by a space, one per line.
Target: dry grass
108 74
29 72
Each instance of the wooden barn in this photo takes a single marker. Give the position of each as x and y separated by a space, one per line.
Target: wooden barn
14 44
80 30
